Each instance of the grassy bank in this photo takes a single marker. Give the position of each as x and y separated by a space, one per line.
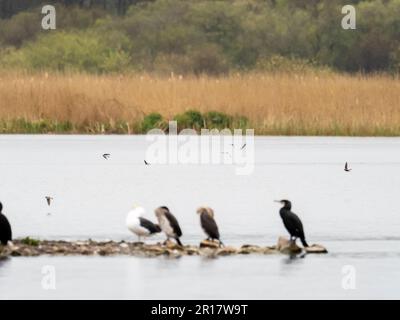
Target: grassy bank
273 104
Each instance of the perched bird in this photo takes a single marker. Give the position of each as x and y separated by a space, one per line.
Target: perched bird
346 167
208 223
168 224
292 222
49 199
5 228
106 156
139 225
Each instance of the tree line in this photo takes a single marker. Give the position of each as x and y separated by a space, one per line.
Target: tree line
8 8
201 36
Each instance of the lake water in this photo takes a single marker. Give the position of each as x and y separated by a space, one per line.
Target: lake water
355 215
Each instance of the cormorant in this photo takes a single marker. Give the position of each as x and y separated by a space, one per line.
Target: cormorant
146 163
208 223
5 228
346 167
292 222
168 224
106 156
139 225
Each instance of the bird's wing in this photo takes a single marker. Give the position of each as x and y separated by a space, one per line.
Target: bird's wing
174 223
209 225
5 228
296 222
153 228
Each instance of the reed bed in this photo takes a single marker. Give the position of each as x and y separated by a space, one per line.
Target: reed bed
274 104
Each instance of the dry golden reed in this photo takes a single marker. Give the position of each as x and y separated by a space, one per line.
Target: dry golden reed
279 104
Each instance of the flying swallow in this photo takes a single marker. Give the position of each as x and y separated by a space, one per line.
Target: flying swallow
48 199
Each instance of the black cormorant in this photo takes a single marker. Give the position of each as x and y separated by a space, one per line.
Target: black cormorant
292 222
346 167
208 223
106 156
5 228
168 224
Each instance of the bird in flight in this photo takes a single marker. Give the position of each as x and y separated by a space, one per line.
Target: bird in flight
106 156
146 163
346 167
48 199
242 147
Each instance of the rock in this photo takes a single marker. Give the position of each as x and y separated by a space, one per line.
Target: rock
287 247
208 252
190 250
5 251
210 244
210 249
172 245
247 249
316 248
173 253
156 250
226 251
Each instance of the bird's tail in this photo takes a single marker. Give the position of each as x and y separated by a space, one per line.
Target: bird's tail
179 242
303 241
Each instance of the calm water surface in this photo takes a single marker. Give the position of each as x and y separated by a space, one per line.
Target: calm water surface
355 215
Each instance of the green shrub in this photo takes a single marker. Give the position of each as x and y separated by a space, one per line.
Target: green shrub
218 120
30 242
152 121
190 119
35 126
69 51
22 27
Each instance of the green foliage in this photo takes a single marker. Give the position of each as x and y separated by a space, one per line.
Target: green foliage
39 126
218 120
153 121
30 242
281 64
69 51
22 27
190 119
203 36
